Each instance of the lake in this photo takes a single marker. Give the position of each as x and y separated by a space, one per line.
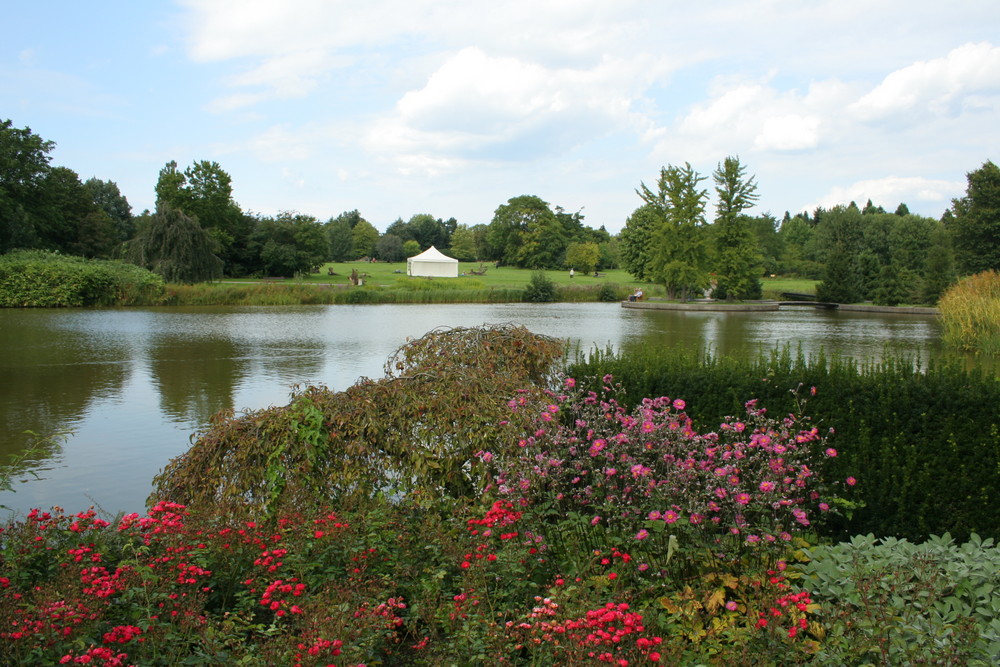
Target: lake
132 385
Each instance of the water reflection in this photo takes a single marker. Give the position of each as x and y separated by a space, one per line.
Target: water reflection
134 384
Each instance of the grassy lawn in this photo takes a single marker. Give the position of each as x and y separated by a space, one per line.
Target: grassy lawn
384 274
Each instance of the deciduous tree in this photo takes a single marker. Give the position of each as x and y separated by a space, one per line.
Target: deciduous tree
738 261
976 225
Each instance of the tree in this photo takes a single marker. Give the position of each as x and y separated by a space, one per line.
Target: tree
583 256
428 231
340 239
839 238
526 220
340 235
939 270
290 244
389 248
463 244
107 196
738 262
637 241
976 225
24 163
175 246
679 255
205 191
411 248
69 221
364 236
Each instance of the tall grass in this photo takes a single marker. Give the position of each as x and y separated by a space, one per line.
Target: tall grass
970 313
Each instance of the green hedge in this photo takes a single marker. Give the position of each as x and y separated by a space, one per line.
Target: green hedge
35 278
924 443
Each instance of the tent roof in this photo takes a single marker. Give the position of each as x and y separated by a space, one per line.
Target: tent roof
432 254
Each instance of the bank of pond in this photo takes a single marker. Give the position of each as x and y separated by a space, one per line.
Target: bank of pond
487 503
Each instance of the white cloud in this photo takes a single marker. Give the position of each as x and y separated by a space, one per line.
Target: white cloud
968 75
490 108
790 132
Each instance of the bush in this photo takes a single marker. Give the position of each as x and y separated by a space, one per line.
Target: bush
35 278
970 313
540 289
926 438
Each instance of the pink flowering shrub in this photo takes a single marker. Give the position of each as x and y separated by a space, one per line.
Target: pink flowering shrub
650 477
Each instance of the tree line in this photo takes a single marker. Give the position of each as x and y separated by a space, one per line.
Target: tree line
199 232
856 253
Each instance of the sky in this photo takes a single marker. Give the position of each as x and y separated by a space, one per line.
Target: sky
446 107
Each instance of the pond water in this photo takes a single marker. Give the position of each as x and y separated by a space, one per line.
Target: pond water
132 385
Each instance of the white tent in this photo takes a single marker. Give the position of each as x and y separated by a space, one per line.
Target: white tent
432 263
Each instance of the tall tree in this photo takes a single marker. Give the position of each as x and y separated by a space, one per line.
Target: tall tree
290 244
364 236
110 200
389 248
205 191
69 220
24 163
463 244
175 246
976 225
839 239
738 262
679 255
636 241
511 224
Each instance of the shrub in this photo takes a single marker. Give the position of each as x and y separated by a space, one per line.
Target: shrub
970 313
540 289
926 438
35 278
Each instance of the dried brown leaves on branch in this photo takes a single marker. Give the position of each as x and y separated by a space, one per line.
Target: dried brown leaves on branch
443 399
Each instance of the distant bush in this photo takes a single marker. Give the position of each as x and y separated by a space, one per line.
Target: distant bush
970 313
36 278
541 289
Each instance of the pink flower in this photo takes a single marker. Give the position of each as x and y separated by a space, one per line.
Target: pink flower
767 487
743 498
596 520
642 534
670 516
851 481
831 452
679 404
731 605
569 383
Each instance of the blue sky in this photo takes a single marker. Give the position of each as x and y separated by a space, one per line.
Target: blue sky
398 107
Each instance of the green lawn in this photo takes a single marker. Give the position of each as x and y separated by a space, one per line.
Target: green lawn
384 274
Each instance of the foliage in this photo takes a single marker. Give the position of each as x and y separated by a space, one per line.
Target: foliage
290 244
418 428
364 236
892 602
976 225
970 313
738 260
926 438
204 191
35 278
678 258
176 247
639 561
583 257
541 289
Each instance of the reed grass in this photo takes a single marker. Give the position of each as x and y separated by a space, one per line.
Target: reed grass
970 314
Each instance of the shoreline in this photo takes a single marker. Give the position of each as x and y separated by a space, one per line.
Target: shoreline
771 306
